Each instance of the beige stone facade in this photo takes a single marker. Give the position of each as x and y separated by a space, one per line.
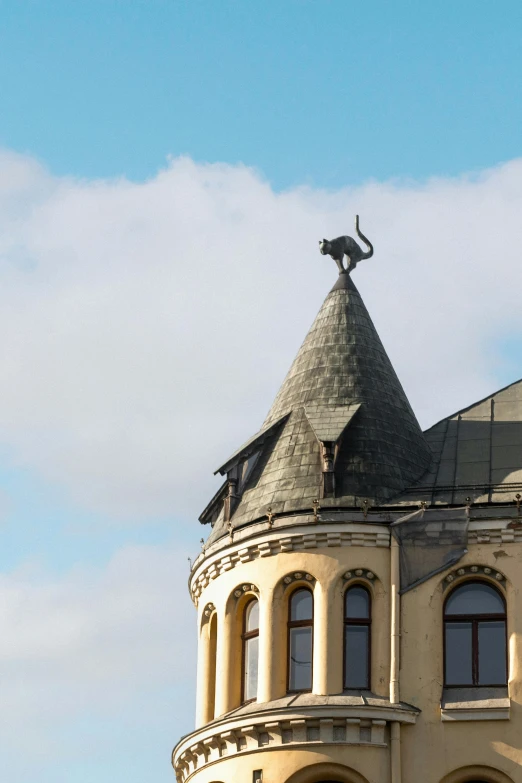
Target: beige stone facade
409 722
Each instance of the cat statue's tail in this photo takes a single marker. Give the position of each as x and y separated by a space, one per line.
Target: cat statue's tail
367 242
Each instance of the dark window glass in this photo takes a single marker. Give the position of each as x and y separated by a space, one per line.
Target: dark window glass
301 605
357 638
475 636
245 470
356 656
459 654
492 652
475 598
357 603
300 640
250 650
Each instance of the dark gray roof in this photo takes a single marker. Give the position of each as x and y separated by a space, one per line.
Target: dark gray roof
477 452
329 421
341 379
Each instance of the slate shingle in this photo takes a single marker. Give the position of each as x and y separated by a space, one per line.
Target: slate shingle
344 380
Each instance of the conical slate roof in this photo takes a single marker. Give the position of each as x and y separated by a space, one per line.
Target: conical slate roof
343 391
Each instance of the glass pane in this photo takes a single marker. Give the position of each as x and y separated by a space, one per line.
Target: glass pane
458 654
357 603
252 616
301 605
475 599
246 468
492 653
300 678
356 656
250 673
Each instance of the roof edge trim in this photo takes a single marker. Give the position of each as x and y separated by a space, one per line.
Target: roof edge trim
251 445
473 405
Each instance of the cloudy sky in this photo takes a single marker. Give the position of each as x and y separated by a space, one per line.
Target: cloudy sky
166 170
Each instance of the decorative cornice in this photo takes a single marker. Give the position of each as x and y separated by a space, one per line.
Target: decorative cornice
359 573
301 539
243 589
304 538
298 576
292 729
494 535
474 571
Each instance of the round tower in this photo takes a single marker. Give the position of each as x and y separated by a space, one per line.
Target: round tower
298 585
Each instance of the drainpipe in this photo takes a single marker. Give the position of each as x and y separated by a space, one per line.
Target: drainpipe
395 751
395 603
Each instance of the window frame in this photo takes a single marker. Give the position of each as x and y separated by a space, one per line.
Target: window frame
358 621
245 638
299 624
474 620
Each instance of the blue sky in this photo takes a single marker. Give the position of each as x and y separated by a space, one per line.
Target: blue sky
318 92
166 169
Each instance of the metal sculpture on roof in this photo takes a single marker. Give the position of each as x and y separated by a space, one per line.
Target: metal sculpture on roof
346 246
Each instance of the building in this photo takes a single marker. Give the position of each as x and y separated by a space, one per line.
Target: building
359 596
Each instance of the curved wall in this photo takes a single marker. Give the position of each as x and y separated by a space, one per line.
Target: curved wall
285 735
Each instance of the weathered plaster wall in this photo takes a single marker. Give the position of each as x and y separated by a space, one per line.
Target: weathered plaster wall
432 751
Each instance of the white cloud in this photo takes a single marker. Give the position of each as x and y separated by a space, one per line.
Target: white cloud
94 646
145 328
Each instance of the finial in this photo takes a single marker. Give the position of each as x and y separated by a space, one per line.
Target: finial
230 530
365 507
316 507
517 524
424 505
202 542
190 563
346 246
270 516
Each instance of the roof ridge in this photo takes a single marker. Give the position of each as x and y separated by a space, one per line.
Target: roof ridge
473 405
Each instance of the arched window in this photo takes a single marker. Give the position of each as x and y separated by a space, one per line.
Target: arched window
357 638
475 636
300 640
250 651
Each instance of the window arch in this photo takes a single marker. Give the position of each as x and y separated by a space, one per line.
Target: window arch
250 639
300 640
475 648
357 637
476 774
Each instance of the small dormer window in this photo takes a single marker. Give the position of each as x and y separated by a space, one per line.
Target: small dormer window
245 470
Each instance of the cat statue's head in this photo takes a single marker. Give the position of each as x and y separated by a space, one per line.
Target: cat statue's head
324 246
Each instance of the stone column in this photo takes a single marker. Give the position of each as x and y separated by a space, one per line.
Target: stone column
514 615
320 653
204 709
225 668
335 640
265 682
